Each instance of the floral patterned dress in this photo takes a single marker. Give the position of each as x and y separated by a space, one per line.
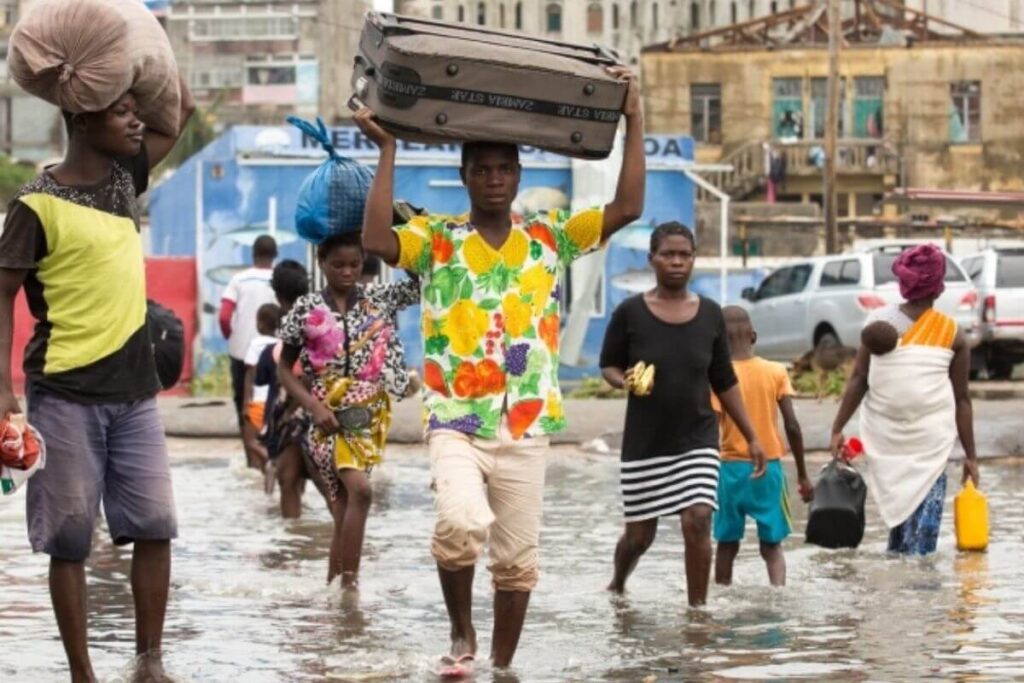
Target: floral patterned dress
355 359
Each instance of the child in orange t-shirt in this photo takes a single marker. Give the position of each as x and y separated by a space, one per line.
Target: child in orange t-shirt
766 392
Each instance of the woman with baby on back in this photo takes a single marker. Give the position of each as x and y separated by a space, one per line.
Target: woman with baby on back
911 373
345 338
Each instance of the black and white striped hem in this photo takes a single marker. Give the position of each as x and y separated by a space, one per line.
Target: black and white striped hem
668 484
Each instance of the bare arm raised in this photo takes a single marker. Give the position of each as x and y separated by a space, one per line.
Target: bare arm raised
378 238
160 143
628 204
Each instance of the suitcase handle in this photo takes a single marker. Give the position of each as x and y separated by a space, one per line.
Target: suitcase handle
388 20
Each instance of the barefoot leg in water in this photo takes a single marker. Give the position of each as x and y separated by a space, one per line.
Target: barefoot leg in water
289 479
350 513
775 560
150 578
725 557
337 508
696 523
509 615
634 542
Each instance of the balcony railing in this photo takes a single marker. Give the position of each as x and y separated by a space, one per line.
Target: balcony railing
803 158
853 157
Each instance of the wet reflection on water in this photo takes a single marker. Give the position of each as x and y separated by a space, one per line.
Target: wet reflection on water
249 602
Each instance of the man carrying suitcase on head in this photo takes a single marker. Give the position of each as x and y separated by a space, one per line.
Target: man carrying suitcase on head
491 328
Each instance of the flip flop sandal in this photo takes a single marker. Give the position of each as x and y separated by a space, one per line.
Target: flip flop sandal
456 668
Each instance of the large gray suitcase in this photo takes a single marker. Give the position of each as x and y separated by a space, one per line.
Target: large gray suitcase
431 82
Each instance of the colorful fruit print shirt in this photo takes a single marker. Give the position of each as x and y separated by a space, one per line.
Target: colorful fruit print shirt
491 318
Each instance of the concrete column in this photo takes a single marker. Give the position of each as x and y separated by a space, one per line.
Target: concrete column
574 21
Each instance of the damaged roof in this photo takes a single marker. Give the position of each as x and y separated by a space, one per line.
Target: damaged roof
885 23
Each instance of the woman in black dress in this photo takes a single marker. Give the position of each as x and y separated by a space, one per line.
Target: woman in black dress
670 449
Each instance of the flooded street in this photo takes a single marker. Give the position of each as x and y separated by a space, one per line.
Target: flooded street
248 600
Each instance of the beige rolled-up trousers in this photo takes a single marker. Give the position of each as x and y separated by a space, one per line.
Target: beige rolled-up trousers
488 487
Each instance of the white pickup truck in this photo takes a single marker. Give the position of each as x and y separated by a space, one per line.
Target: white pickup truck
999 276
825 300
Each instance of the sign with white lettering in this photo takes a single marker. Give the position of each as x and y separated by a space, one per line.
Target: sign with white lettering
350 142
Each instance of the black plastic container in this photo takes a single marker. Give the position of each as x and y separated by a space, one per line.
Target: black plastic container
836 516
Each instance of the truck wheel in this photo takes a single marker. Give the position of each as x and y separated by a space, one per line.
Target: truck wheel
979 357
827 339
999 367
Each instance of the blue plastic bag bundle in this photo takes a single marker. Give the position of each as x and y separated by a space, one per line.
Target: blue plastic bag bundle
332 198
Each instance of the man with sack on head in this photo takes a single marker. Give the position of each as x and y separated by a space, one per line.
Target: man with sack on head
490 299
71 239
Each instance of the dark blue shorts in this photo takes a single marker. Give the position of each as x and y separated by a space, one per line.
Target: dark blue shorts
110 452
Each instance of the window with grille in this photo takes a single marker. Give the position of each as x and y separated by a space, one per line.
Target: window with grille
595 18
819 107
868 103
271 74
788 108
965 111
212 76
706 112
244 28
554 18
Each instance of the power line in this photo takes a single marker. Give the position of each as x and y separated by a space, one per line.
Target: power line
993 12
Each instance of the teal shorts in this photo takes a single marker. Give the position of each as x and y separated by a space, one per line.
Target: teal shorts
766 499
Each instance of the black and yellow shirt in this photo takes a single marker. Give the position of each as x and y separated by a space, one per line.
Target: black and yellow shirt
86 285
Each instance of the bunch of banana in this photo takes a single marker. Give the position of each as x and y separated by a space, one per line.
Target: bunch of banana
337 387
641 380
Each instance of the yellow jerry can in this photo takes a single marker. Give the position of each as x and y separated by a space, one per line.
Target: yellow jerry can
970 517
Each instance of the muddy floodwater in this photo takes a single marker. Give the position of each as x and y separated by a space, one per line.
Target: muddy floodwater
249 604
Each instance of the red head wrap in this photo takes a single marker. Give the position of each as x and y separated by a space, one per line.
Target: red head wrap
921 272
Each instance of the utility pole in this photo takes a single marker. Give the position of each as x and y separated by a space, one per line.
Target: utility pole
832 129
